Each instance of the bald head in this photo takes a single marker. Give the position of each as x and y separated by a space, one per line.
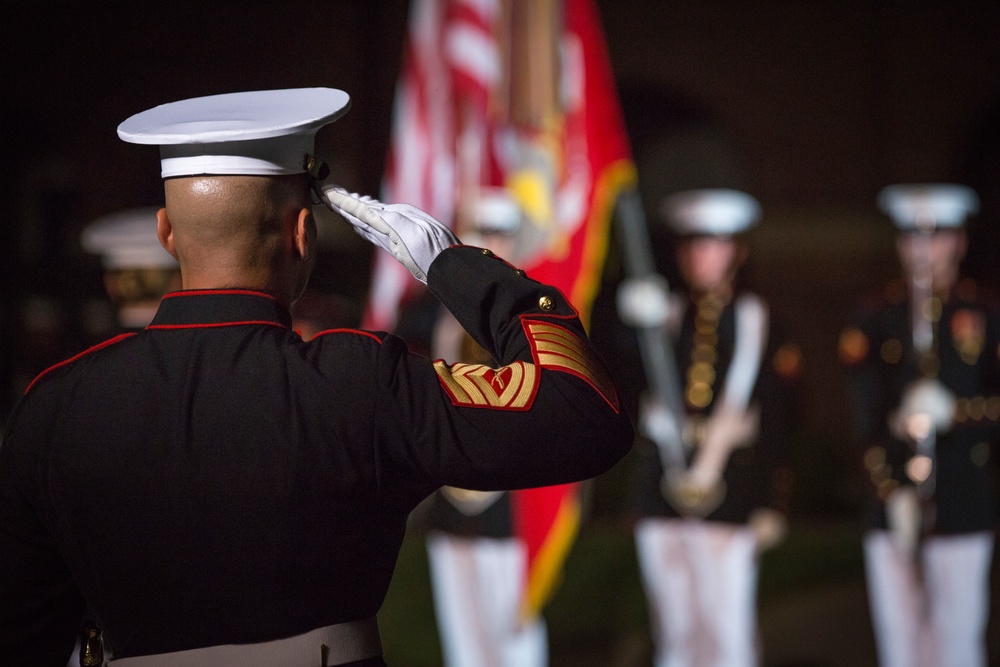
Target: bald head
239 230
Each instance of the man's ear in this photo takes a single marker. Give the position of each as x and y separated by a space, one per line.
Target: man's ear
305 232
165 232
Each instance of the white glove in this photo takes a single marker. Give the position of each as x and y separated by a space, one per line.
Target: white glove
731 427
657 422
413 237
769 527
643 302
925 404
728 428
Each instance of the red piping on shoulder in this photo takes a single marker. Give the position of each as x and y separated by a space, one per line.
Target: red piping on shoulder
214 325
110 341
213 292
353 331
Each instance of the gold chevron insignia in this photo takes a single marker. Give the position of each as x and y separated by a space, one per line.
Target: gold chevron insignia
562 350
509 387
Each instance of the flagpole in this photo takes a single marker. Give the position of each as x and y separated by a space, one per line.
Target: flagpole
655 347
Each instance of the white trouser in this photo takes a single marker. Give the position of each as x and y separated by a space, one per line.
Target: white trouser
700 579
478 585
935 616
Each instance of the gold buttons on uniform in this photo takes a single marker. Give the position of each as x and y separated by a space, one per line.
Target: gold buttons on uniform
522 273
486 251
701 372
546 303
704 353
931 309
701 376
698 395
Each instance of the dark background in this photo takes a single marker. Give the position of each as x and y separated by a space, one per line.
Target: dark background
811 107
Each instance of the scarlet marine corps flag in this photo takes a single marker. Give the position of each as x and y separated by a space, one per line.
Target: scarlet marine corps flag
516 94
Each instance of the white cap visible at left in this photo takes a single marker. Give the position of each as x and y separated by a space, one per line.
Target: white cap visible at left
127 240
928 206
710 212
264 132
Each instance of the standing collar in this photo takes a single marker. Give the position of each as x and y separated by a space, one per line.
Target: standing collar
219 307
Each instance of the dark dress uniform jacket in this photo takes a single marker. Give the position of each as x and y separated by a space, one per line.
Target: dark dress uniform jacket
878 351
214 479
759 475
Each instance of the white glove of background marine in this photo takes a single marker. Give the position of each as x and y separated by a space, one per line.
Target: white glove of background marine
925 404
412 236
644 302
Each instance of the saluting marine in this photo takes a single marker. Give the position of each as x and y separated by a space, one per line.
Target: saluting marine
924 376
221 492
713 492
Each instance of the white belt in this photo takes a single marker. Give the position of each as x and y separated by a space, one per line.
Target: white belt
322 647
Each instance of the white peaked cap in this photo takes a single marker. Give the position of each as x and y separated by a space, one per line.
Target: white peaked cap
934 205
496 211
713 212
264 132
127 240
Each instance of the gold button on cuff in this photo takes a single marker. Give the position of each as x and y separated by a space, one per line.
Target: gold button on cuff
546 303
522 273
486 251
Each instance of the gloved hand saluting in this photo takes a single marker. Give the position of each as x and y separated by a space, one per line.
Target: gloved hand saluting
413 237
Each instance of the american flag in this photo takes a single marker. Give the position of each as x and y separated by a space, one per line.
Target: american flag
451 64
453 130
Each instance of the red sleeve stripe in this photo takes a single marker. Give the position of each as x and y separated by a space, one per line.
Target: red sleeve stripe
110 341
559 349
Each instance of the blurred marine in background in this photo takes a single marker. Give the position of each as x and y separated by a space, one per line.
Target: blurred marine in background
713 482
924 391
478 563
137 271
